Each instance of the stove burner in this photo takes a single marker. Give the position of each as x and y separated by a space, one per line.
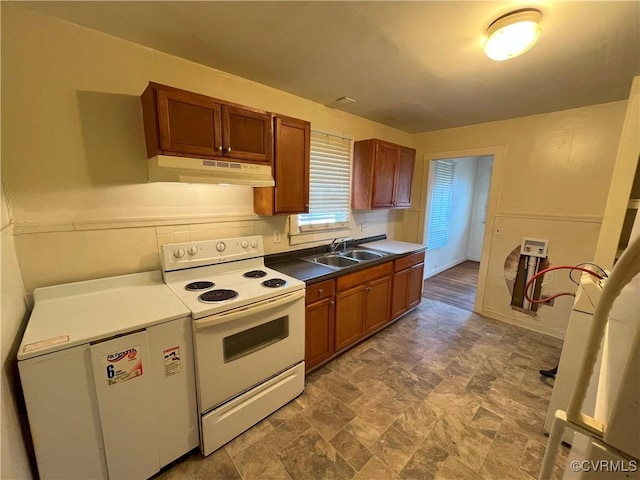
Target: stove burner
213 296
194 286
274 283
255 274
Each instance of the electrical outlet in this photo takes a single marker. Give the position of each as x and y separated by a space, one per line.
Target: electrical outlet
365 227
277 238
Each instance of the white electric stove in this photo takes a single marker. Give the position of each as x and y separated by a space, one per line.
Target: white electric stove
248 330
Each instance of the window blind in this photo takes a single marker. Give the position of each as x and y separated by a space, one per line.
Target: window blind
486 208
441 201
486 200
329 182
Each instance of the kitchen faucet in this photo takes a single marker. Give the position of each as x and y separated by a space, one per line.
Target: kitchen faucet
335 245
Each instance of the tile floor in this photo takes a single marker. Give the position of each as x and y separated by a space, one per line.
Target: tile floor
440 394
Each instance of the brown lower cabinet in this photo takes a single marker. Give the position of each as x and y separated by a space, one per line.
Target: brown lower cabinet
362 303
407 283
341 312
319 323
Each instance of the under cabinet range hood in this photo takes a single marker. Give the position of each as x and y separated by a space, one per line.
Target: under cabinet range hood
166 168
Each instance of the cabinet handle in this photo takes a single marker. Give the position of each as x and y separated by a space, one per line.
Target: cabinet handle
228 149
332 302
220 148
320 291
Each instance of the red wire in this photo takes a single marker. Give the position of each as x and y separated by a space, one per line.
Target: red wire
560 267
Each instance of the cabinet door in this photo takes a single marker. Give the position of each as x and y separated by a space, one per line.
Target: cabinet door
246 135
415 285
291 165
319 333
349 316
377 296
384 169
404 176
188 123
400 293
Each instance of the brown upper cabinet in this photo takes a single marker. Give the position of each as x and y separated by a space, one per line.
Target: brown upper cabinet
290 170
382 175
178 122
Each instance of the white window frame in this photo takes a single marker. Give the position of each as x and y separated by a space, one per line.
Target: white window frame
441 203
322 140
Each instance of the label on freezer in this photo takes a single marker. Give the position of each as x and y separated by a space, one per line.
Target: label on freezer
172 361
49 342
123 365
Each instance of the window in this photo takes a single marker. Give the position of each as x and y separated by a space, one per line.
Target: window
329 183
441 200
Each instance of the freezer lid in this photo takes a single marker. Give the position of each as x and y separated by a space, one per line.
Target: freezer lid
82 312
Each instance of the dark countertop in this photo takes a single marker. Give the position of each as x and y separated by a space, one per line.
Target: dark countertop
290 263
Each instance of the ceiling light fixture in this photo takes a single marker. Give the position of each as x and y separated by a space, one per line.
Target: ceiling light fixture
513 34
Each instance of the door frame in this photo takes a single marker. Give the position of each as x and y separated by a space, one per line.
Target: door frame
498 152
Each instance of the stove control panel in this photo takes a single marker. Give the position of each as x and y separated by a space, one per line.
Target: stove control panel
177 256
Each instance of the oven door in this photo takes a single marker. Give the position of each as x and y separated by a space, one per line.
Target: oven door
239 349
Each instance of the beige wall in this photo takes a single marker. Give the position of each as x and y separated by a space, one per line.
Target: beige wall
73 154
551 178
13 458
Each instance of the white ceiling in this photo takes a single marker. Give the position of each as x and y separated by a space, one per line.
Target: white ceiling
416 66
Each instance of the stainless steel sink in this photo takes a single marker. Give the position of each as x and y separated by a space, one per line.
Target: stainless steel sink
362 254
332 260
345 259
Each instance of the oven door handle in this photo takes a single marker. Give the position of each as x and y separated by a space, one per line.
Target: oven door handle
249 310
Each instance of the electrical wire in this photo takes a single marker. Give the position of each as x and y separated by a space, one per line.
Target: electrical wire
560 267
602 271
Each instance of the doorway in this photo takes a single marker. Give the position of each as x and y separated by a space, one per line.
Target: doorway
458 205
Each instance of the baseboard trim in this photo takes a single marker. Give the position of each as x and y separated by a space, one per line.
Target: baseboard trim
446 266
495 315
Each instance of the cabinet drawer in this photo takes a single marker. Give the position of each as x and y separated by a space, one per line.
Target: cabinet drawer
409 261
320 291
363 276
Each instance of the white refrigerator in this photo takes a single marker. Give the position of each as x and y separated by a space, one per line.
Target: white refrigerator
606 437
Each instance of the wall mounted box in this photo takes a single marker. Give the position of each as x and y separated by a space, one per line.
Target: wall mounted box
534 247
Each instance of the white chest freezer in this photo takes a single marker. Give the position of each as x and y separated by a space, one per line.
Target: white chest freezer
107 372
